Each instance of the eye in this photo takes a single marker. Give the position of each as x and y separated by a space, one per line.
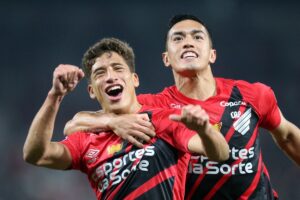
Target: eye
118 68
198 37
99 73
177 38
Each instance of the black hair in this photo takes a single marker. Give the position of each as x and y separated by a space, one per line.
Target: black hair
107 45
181 17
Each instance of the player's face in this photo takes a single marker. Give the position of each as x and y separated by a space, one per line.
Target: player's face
113 84
188 48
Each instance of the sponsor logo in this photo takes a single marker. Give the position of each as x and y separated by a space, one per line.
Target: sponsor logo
114 148
235 114
115 171
231 104
174 105
92 155
198 163
242 125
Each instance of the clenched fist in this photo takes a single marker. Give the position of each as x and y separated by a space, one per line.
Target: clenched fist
65 79
194 118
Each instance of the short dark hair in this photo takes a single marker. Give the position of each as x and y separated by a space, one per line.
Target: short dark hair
104 46
181 17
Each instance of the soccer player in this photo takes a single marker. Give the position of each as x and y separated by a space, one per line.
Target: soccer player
115 168
236 107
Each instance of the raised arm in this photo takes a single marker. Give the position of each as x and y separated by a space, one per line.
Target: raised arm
208 141
287 136
38 148
134 128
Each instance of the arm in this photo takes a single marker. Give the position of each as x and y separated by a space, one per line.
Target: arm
130 127
287 137
208 141
38 148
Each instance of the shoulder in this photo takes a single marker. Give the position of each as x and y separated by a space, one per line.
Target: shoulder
158 112
257 86
160 99
249 90
80 136
165 92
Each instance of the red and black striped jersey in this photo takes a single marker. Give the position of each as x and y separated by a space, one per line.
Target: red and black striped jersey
118 170
238 110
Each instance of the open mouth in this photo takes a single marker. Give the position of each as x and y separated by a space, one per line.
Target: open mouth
114 90
189 54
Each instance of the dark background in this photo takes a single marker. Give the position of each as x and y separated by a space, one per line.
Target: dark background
255 41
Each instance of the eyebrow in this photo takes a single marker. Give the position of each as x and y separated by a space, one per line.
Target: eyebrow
96 70
101 67
192 32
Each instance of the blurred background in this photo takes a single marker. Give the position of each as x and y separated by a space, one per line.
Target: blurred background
255 41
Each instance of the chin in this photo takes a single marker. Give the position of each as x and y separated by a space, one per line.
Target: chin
188 72
119 109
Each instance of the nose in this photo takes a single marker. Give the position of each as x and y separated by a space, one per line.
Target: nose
188 43
111 76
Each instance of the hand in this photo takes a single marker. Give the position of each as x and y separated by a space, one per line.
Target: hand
194 118
65 79
134 128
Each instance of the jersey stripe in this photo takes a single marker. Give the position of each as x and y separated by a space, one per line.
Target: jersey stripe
254 183
153 182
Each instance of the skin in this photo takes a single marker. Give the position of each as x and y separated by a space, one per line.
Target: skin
38 148
192 71
109 70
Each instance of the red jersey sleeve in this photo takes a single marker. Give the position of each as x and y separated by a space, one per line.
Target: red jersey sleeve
268 108
74 143
175 133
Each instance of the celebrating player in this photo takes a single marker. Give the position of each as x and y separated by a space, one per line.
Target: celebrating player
236 107
115 168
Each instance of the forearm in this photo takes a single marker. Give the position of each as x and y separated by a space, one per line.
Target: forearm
290 142
41 130
215 145
89 121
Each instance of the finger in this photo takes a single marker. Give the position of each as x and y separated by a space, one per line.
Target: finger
63 77
140 136
80 74
71 81
134 141
176 118
145 127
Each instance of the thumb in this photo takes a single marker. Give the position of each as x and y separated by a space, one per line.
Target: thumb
176 118
80 74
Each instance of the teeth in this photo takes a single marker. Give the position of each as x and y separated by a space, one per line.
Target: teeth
116 87
189 54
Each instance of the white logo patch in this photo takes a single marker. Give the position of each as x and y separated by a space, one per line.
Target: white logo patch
231 104
176 106
242 125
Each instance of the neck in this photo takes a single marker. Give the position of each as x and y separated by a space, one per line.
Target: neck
129 108
201 86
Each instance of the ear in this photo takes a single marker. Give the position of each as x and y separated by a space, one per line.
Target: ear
165 58
213 56
91 91
136 81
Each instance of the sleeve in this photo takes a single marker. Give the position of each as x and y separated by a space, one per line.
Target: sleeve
181 136
268 109
155 100
175 133
73 143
